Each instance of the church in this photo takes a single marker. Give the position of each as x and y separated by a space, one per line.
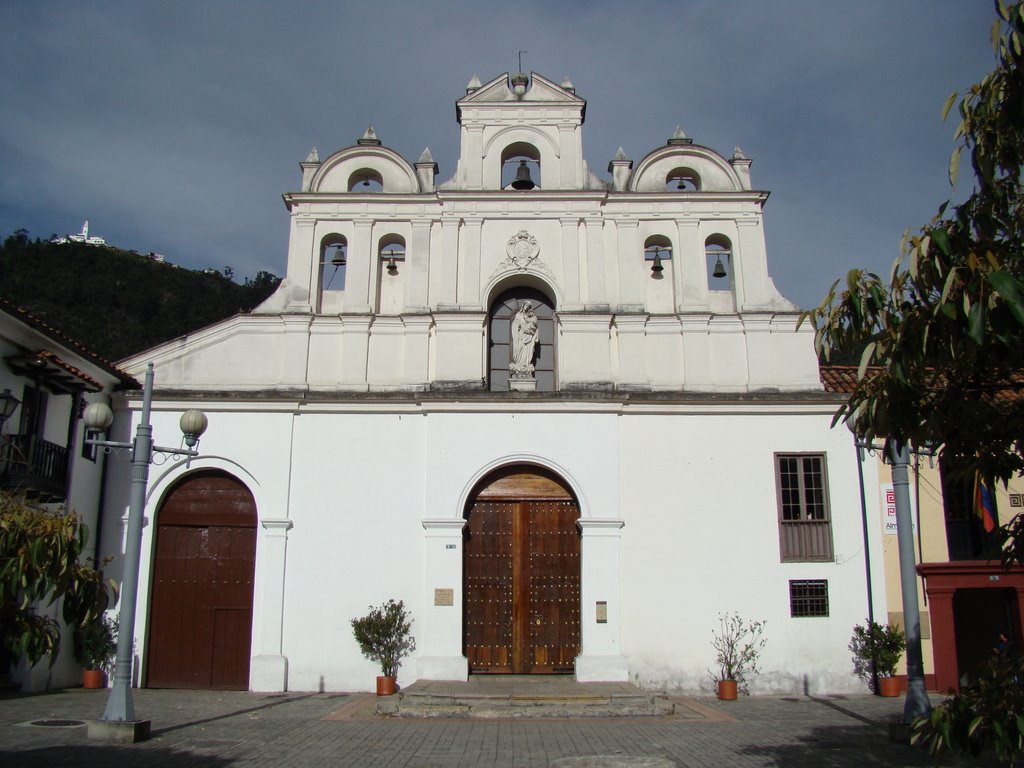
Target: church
564 415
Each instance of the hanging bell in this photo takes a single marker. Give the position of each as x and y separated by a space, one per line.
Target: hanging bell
392 267
338 260
523 180
657 268
719 270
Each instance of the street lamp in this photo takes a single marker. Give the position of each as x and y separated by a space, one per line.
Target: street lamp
118 722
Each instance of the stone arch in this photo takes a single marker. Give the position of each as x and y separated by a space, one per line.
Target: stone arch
340 172
527 460
525 141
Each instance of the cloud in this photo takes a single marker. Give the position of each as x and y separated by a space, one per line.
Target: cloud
176 127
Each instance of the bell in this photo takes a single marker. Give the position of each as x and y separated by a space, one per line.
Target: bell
657 267
338 260
523 180
719 270
392 267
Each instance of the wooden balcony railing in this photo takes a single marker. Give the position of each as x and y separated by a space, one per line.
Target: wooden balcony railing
35 466
805 540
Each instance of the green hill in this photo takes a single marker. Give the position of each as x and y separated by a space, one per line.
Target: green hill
116 302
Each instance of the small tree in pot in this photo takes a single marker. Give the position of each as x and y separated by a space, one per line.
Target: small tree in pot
738 644
877 649
95 646
384 637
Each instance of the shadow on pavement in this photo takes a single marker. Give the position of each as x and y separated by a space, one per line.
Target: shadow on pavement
102 755
227 715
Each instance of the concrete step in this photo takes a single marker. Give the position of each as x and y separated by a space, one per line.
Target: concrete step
539 704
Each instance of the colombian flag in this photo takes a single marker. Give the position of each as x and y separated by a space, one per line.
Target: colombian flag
984 504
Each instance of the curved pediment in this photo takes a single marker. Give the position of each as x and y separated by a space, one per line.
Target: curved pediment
348 168
702 168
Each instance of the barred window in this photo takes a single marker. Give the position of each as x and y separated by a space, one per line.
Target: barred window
805 525
808 597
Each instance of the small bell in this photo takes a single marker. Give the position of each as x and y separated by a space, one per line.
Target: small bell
392 267
338 260
523 180
719 270
657 267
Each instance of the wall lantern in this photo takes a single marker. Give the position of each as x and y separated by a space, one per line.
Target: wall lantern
8 405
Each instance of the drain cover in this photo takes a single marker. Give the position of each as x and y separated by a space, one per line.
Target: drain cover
57 723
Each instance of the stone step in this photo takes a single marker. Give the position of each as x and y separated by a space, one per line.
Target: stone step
571 705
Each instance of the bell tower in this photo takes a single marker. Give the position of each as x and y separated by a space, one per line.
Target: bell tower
527 122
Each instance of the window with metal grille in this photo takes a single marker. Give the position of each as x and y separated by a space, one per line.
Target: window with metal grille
808 597
805 525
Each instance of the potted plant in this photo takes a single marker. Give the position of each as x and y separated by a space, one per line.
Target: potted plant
877 649
95 646
383 637
738 645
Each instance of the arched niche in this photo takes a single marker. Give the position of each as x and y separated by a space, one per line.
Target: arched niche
526 142
346 170
333 266
502 309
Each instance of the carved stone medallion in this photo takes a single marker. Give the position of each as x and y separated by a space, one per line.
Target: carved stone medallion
522 250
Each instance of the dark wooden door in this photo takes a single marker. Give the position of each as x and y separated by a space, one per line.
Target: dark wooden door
522 577
200 621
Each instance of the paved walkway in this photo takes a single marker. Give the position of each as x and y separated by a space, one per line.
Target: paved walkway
194 729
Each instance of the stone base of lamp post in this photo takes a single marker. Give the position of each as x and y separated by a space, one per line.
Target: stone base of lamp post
119 731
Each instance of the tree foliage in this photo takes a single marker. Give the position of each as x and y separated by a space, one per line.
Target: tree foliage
941 339
114 302
384 635
39 565
738 645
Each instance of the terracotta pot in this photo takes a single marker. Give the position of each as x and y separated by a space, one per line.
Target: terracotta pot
386 685
888 686
92 678
727 690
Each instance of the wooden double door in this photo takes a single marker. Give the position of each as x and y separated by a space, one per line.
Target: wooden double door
200 623
522 577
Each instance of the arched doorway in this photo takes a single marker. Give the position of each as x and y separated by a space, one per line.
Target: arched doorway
200 618
521 574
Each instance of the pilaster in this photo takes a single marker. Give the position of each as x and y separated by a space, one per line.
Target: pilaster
440 639
600 656
360 270
268 669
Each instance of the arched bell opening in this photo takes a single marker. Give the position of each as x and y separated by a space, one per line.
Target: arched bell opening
390 274
333 267
521 574
682 180
366 180
520 167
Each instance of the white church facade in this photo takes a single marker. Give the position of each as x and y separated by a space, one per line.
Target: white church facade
567 419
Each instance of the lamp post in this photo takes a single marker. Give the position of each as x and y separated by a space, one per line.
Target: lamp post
98 417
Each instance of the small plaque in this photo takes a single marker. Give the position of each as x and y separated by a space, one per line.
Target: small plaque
449 546
444 597
602 612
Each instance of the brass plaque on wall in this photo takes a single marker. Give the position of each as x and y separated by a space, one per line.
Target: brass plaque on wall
602 612
444 597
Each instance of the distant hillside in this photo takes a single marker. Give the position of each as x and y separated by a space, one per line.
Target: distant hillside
114 302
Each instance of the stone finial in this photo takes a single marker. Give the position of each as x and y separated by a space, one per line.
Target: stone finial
473 84
620 155
619 167
737 154
369 138
426 157
567 85
313 157
679 137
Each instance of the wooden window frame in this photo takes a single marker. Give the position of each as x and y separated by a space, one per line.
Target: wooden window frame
808 538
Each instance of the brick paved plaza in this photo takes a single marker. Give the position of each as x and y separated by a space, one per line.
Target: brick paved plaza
211 729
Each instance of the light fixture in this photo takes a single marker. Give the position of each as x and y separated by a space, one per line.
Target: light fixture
193 424
8 405
98 417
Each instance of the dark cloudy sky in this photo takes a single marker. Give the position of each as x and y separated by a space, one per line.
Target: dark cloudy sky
176 126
